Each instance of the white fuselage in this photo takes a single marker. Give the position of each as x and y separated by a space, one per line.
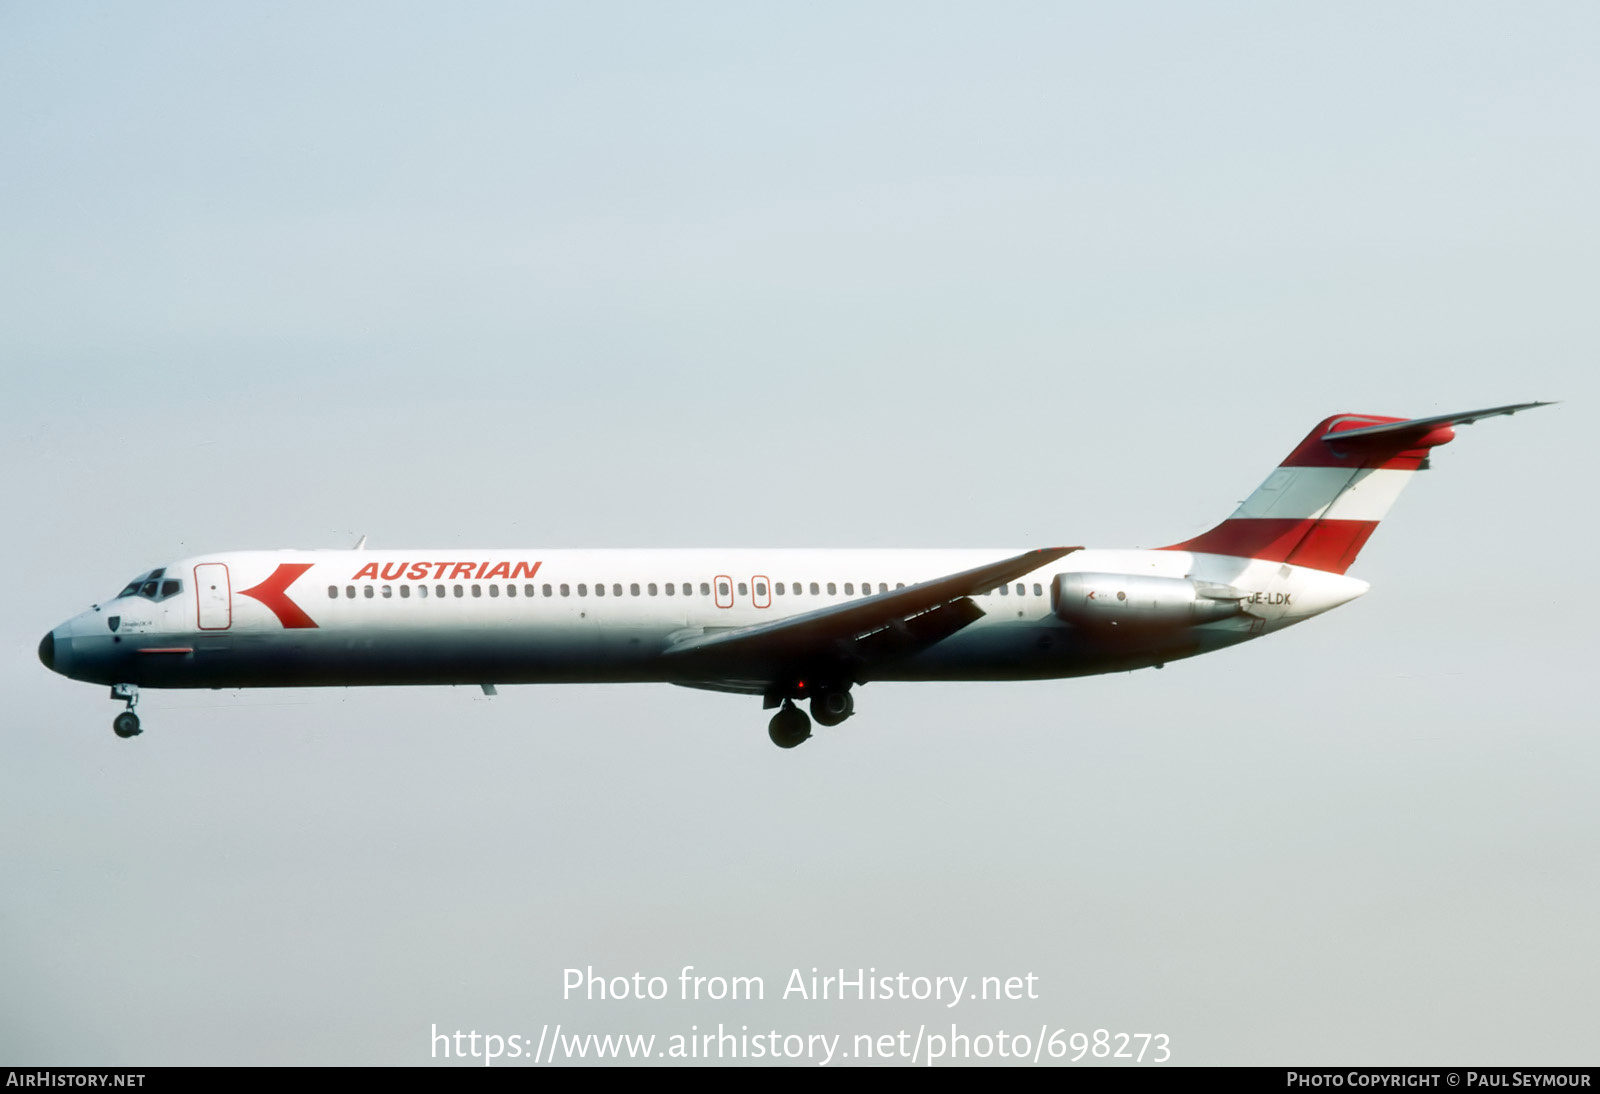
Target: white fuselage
453 616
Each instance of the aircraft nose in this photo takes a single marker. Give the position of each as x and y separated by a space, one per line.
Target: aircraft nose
47 651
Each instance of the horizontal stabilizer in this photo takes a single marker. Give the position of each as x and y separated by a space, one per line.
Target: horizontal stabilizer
1425 425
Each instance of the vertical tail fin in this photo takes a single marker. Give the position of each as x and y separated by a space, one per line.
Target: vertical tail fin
1323 502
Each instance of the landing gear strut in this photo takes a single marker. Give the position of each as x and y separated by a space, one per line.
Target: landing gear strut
126 724
789 726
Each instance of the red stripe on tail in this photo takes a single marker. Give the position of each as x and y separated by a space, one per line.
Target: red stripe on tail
1305 540
1329 545
1404 453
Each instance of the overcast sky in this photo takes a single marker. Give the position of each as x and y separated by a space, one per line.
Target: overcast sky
803 275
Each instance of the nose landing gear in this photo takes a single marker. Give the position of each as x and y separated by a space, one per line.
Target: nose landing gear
126 724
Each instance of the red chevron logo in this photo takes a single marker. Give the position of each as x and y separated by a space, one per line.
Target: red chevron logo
273 592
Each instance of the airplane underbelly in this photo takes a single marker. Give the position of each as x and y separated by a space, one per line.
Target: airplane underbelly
1044 650
332 658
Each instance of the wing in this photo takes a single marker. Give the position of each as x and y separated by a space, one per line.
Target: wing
850 636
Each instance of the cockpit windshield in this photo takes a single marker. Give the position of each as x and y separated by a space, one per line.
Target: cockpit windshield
154 585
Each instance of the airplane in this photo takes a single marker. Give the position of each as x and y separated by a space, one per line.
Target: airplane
787 626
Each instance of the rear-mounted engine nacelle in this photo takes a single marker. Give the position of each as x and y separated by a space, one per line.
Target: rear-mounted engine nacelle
1147 603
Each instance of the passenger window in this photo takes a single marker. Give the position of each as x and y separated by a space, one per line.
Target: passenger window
1038 590
511 590
333 592
616 590
633 589
814 589
350 591
438 591
547 590
388 592
566 590
1022 590
583 590
460 592
422 591
1004 590
599 590
528 590
494 591
705 588
744 590
778 588
366 591
833 590
883 586
652 588
405 592
761 589
477 590
900 585
849 589
722 588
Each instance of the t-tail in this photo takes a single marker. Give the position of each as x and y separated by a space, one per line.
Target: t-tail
1321 505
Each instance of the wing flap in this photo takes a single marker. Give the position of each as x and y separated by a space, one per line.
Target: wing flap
917 633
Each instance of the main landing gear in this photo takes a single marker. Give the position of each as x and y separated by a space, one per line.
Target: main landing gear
790 726
126 724
830 708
